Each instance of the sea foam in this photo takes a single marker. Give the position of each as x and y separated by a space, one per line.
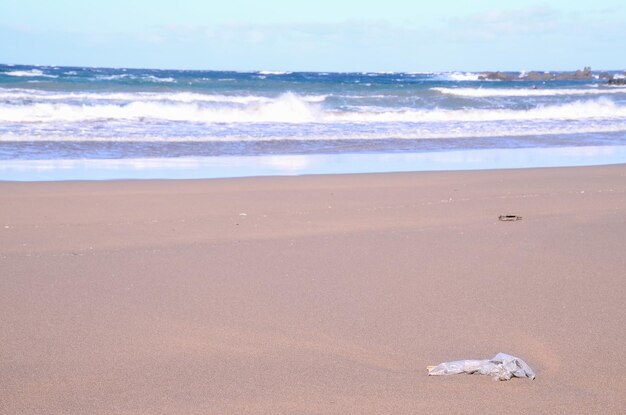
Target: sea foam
32 73
524 92
188 97
288 108
292 108
274 72
457 76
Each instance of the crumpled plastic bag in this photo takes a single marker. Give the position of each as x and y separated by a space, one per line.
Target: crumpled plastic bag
502 367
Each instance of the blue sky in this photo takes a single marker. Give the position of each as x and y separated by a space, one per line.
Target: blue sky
321 35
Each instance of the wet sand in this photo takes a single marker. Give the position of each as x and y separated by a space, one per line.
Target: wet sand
313 295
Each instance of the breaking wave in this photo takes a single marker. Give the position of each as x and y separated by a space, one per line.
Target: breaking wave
274 72
457 76
32 74
524 92
459 131
288 108
127 76
188 97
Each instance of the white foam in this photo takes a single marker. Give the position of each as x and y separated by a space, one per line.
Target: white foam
153 78
523 92
112 77
314 98
379 73
288 108
458 76
188 97
519 130
31 73
274 72
578 110
147 78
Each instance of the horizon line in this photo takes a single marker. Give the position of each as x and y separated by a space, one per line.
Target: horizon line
307 71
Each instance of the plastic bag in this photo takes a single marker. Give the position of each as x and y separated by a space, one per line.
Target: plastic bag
502 367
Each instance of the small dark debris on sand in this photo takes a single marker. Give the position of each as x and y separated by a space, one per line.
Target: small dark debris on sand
509 218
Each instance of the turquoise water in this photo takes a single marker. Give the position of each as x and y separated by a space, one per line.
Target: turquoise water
51 114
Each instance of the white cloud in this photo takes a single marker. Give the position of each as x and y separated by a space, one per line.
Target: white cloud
527 37
536 21
320 33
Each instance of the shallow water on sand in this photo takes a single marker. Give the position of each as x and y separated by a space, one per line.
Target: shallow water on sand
289 165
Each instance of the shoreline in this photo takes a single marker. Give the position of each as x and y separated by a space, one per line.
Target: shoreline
313 294
310 164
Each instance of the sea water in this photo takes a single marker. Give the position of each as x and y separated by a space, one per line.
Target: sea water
76 122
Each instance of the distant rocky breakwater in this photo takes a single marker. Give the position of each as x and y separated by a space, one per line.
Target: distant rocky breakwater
537 76
617 81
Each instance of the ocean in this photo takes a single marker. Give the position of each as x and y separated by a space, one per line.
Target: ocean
103 117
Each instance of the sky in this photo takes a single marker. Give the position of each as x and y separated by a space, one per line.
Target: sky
317 35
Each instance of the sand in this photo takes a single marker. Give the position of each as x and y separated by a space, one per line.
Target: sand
314 295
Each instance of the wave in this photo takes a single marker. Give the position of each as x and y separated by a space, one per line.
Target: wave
112 77
187 97
274 72
152 78
145 78
601 108
525 92
32 73
466 131
457 76
292 108
287 108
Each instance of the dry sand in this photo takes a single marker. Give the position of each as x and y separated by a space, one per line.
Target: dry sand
307 295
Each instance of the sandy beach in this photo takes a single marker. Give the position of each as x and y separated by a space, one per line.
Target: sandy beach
314 294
